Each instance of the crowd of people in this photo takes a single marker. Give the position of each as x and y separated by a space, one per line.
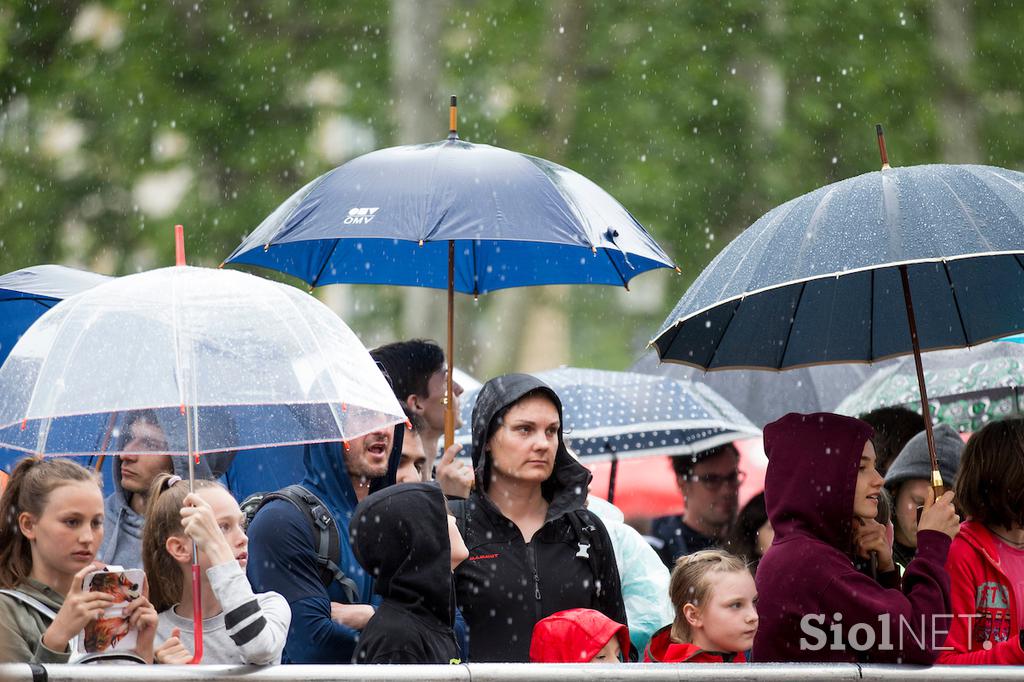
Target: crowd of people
384 552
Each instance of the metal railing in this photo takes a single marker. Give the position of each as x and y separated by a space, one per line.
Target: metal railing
502 672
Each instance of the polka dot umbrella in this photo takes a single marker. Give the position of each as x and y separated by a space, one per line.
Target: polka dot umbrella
624 415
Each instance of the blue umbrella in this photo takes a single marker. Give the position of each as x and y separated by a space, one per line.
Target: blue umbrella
887 263
626 415
452 215
25 295
28 293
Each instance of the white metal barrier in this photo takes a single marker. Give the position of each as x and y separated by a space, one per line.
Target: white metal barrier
502 672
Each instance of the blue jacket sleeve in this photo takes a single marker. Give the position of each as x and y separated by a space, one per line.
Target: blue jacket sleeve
282 559
462 635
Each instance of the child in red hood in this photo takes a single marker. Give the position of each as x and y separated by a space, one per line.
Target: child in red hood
822 491
986 560
579 636
716 611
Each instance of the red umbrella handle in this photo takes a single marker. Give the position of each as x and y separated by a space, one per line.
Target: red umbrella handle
197 614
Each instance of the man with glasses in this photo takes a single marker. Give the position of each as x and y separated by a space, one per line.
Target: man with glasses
710 482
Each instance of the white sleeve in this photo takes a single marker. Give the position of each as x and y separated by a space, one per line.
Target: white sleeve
257 624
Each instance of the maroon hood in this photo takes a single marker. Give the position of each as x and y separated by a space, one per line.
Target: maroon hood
812 475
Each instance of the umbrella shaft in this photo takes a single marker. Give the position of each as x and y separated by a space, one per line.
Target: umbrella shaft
449 397
925 410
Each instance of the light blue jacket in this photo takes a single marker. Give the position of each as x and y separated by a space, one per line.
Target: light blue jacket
643 576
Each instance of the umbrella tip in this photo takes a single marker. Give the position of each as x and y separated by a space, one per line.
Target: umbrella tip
453 117
179 245
678 271
266 247
421 242
881 146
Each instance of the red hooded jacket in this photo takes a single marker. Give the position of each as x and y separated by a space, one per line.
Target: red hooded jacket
575 636
806 582
661 649
980 588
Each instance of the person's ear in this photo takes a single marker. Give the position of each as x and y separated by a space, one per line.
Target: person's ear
27 525
179 548
692 615
414 403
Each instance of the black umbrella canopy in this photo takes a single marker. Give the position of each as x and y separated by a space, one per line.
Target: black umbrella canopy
887 263
765 396
817 279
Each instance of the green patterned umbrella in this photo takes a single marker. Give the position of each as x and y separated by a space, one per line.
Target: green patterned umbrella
966 387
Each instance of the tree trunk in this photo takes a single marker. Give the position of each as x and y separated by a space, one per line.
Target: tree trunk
420 117
544 337
952 46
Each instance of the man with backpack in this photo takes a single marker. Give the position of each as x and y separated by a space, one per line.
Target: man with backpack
299 547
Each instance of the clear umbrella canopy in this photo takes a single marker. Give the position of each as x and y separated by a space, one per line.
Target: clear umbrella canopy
243 361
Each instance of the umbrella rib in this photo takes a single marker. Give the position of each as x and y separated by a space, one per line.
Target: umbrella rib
956 303
967 214
792 323
618 272
323 265
714 353
871 315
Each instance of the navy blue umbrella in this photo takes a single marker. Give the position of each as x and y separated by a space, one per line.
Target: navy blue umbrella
452 215
886 263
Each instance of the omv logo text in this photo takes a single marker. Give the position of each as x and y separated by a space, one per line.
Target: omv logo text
360 216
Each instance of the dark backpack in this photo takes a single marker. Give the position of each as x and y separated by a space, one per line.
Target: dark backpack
325 532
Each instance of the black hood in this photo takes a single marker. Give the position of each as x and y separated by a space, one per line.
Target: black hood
567 486
400 537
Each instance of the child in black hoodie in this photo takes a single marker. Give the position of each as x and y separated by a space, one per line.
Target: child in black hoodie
404 537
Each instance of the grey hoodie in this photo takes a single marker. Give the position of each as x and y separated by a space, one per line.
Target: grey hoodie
122 526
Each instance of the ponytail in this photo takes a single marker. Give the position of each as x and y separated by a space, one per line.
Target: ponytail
163 520
28 491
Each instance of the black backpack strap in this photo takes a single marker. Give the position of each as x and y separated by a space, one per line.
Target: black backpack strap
593 541
325 535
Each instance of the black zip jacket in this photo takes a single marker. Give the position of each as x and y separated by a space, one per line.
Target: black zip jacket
400 536
507 585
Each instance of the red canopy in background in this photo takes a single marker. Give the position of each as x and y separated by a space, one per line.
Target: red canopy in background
647 486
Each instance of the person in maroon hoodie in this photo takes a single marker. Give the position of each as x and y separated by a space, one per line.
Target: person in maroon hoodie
986 560
821 491
579 636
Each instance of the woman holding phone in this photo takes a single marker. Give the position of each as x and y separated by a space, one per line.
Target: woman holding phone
51 526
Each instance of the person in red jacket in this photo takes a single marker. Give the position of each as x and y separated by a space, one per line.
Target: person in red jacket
579 636
822 492
986 560
715 599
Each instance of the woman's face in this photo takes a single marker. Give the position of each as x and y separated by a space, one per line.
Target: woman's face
67 535
869 485
524 445
912 494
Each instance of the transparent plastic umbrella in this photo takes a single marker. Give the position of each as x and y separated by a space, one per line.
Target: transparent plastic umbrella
218 360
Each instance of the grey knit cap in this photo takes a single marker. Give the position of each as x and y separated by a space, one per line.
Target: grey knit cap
913 460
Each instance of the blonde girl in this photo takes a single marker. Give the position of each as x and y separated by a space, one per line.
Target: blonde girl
715 600
238 626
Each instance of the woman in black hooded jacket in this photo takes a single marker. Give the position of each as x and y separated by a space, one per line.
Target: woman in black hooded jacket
533 548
